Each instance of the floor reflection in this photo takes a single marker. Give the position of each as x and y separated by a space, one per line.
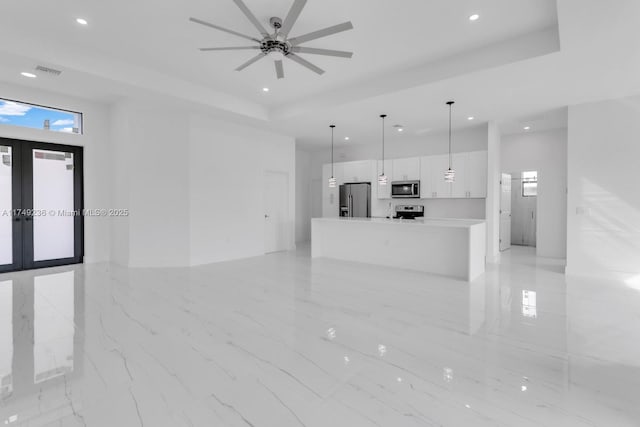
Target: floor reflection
284 340
39 344
6 338
53 307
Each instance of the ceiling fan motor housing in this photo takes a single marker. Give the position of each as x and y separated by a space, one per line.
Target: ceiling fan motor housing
269 45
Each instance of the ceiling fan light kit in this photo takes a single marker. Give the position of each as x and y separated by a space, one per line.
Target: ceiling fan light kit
278 45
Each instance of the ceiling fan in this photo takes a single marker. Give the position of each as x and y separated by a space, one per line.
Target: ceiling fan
278 44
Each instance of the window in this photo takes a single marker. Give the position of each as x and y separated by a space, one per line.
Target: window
16 113
529 184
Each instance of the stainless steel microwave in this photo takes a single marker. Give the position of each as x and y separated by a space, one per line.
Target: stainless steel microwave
405 189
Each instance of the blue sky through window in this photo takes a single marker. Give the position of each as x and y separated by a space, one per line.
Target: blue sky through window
31 116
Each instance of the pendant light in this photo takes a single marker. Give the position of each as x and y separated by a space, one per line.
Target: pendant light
450 174
332 180
382 179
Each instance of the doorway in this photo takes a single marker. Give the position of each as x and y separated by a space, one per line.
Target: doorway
276 202
524 208
505 212
41 221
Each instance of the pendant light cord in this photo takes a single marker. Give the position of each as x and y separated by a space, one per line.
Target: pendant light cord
383 117
450 105
332 128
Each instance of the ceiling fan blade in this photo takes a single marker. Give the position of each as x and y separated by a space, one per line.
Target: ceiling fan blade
243 7
327 52
279 69
208 49
292 16
305 63
251 61
207 24
345 26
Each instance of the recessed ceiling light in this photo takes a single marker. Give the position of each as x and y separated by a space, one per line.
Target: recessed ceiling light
527 128
474 17
265 89
471 118
30 75
400 129
346 138
82 21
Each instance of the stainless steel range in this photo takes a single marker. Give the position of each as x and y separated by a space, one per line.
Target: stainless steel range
409 211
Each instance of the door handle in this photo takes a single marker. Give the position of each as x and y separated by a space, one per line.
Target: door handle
16 219
27 218
266 216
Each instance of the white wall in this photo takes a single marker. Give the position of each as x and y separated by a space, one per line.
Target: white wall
226 182
545 152
158 187
603 222
120 196
193 185
304 200
97 156
401 145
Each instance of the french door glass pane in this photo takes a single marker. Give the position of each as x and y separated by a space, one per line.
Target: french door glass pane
53 224
6 194
6 338
53 307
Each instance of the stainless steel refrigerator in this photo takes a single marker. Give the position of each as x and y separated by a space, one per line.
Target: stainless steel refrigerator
355 200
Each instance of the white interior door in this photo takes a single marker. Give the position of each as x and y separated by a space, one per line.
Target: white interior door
276 203
524 214
505 212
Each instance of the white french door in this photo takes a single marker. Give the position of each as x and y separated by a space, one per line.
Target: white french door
41 222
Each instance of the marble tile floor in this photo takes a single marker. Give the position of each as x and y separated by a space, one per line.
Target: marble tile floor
283 340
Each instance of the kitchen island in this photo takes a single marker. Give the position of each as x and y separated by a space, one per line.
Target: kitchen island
449 247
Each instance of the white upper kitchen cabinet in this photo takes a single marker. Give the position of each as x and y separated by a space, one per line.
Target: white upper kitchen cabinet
406 169
432 184
331 196
360 171
459 188
471 175
426 184
384 191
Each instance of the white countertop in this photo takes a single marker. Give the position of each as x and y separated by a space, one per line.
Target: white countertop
431 222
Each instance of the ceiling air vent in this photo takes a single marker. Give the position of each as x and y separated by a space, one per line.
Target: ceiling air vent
48 70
